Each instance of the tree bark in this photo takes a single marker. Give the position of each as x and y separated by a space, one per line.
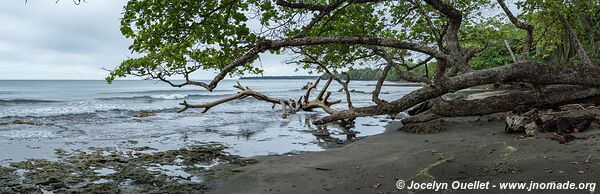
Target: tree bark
320 101
524 71
503 101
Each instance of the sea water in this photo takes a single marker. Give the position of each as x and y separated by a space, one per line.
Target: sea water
79 114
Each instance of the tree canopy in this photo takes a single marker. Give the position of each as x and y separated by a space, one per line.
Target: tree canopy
467 41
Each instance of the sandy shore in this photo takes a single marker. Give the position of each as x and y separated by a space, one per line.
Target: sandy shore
468 150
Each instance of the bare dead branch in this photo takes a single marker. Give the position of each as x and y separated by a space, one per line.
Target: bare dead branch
243 93
283 108
320 96
331 75
307 105
310 88
514 58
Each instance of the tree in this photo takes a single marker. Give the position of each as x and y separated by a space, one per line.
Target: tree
180 37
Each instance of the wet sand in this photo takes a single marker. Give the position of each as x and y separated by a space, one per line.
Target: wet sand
469 149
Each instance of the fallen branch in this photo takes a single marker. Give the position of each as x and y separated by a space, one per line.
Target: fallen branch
321 101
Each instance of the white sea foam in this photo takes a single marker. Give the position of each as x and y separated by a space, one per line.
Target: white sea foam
170 96
27 134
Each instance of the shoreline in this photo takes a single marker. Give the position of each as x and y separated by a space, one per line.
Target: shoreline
468 149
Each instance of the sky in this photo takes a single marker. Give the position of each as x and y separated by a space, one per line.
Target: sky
45 40
42 39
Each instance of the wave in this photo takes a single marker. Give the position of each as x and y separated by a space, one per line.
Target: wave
92 113
170 96
24 101
163 91
283 90
162 97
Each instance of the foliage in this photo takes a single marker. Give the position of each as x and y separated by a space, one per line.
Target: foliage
369 73
179 37
551 42
495 52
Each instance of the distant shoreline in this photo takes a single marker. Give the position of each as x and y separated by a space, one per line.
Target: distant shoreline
281 77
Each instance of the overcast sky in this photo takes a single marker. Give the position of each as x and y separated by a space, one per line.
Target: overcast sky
44 40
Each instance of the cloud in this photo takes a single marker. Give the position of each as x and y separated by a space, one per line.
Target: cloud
44 40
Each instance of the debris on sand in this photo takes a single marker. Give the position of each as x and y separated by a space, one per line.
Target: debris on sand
376 185
563 138
564 125
560 122
525 122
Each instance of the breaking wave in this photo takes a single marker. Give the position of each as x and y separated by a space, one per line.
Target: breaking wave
169 96
162 97
163 91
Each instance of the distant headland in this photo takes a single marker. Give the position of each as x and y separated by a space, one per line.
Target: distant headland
281 77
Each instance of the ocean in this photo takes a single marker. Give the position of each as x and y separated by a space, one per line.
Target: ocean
78 115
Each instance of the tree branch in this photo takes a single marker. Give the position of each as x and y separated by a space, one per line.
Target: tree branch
389 59
524 71
574 40
452 40
377 91
522 25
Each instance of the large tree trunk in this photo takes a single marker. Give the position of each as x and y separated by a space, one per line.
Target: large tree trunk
502 101
525 71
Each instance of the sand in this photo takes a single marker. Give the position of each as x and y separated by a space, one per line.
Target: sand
467 150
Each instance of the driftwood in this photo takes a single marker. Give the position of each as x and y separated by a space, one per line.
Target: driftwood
561 123
303 103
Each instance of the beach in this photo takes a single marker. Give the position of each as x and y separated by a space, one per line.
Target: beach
467 150
132 148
